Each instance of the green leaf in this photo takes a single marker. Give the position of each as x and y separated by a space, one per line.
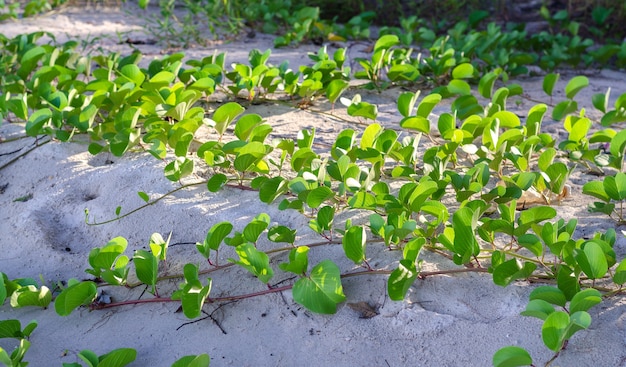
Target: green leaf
584 300
255 261
417 123
563 109
412 248
465 106
90 357
601 100
37 120
11 329
253 230
107 257
567 281
216 182
118 358
146 267
592 260
318 195
575 85
298 261
272 188
512 270
538 308
406 103
465 244
485 85
192 293
385 42
335 89
557 174
422 192
596 189
507 119
619 277
161 79
249 155
427 105
3 288
554 329
201 360
215 236
535 118
31 296
549 81
322 290
302 158
458 86
353 243
579 320
549 294
143 196
282 234
401 279
615 186
225 114
363 109
403 72
325 217
512 356
133 74
618 144
534 215
76 295
246 124
463 71
179 168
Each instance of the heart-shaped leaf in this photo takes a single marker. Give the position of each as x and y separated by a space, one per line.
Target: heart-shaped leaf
321 291
354 244
512 357
401 279
554 329
255 261
76 295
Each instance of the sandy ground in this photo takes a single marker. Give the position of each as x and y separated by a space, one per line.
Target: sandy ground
456 320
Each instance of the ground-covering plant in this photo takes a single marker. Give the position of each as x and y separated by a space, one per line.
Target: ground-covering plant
123 108
15 9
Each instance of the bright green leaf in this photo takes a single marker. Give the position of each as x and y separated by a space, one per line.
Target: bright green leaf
322 290
401 279
512 357
575 85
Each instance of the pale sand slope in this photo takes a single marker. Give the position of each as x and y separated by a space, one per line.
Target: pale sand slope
456 320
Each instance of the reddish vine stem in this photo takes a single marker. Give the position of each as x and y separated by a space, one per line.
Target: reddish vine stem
422 275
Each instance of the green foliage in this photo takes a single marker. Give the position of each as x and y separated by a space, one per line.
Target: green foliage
381 171
116 358
255 261
109 263
76 294
192 293
612 193
559 326
146 268
201 360
512 357
13 329
321 290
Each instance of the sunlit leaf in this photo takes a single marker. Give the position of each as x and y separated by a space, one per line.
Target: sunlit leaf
321 291
401 280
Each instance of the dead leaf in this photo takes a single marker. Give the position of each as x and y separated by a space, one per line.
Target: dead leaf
364 309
